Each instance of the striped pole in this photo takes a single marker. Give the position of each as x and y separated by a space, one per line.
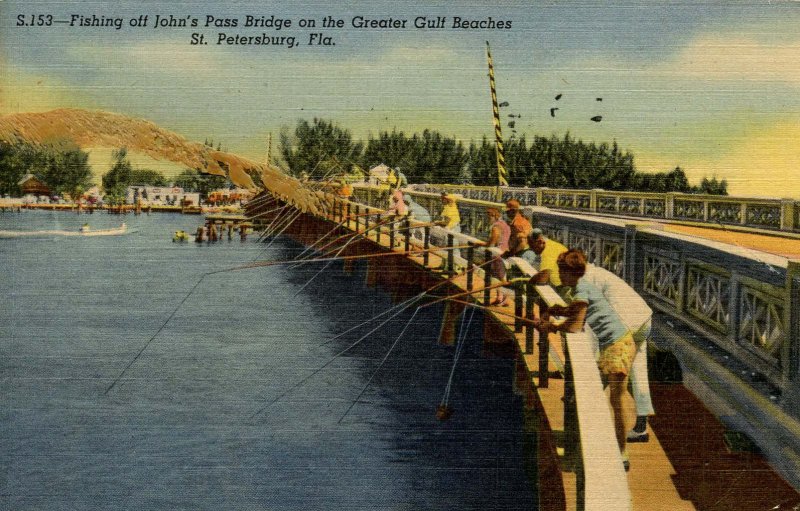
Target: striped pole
502 175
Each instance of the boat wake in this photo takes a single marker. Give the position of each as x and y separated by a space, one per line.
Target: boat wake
83 231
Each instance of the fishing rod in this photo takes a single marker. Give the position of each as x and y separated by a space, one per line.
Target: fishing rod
262 264
352 236
340 224
381 224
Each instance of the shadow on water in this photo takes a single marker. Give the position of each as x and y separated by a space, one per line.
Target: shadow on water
474 460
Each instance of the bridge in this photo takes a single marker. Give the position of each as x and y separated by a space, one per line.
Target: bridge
728 314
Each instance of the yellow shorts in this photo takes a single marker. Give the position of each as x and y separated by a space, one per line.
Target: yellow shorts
617 357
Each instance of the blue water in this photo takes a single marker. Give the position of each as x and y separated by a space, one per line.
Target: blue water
227 401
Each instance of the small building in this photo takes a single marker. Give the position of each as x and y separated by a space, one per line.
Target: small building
379 175
32 185
161 196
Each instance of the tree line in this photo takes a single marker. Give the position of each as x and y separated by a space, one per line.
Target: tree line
66 171
321 148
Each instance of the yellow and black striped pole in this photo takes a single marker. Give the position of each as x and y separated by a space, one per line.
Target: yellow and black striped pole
502 175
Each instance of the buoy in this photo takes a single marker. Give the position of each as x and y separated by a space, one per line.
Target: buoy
443 412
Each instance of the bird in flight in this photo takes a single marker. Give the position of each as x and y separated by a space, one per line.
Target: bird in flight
553 112
597 118
558 96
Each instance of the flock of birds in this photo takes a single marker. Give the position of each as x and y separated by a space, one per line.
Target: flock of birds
513 122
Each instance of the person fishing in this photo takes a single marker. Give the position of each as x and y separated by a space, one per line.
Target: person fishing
617 348
499 234
520 228
450 219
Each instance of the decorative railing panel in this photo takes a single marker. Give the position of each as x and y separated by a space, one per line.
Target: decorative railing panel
549 199
654 208
764 215
566 200
583 201
630 206
662 277
688 209
525 196
607 204
589 243
761 324
708 297
725 212
613 258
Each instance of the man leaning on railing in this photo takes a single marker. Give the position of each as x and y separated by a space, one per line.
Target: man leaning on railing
586 303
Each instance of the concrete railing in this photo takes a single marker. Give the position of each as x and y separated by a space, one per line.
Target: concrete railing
762 213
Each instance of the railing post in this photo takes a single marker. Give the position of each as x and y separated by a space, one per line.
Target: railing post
378 228
571 435
631 268
426 245
470 259
392 231
358 216
407 229
787 215
347 212
593 199
669 205
544 350
518 307
450 256
529 328
487 278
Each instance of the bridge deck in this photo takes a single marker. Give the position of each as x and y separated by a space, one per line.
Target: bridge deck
771 243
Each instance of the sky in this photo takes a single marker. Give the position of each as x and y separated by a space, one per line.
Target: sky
713 87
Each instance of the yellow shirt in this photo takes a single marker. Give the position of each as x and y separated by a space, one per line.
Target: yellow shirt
549 260
450 210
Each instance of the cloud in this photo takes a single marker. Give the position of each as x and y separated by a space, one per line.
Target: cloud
763 163
154 56
727 57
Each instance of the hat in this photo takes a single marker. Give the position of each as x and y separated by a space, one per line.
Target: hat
536 233
450 198
512 204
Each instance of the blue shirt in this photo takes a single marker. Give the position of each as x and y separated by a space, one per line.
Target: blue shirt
601 317
418 213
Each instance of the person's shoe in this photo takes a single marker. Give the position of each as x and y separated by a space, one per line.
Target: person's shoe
634 436
626 463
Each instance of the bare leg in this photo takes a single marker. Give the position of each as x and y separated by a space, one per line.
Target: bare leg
617 383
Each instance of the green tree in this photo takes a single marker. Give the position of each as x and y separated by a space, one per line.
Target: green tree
713 186
193 181
67 171
319 148
118 178
148 177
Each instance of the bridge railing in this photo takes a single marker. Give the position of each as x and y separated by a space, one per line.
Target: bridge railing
740 306
589 428
763 213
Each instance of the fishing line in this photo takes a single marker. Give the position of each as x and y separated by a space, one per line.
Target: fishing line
379 367
155 334
457 355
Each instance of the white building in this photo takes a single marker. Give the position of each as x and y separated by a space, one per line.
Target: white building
161 196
